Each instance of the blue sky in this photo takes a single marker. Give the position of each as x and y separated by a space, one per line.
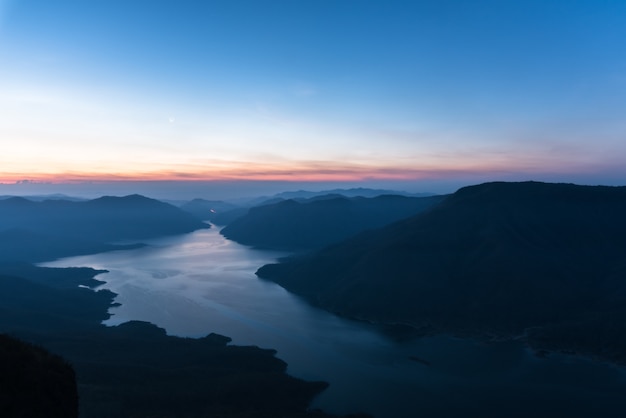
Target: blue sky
416 92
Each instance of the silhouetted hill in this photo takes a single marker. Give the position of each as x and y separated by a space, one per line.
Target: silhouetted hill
354 192
300 195
224 213
546 261
215 211
320 221
30 305
25 245
35 383
132 217
35 231
54 196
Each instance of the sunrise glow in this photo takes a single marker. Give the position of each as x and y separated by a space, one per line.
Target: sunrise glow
242 93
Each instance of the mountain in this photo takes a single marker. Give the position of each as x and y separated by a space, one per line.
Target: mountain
36 231
131 370
223 213
215 211
305 194
354 192
545 262
35 383
54 196
25 245
320 221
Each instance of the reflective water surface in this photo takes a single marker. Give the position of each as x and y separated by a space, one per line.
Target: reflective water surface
199 283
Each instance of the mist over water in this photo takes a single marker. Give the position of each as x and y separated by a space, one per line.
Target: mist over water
199 283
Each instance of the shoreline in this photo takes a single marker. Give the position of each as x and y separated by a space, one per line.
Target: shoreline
69 322
407 330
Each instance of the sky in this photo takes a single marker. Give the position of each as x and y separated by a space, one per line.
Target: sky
420 95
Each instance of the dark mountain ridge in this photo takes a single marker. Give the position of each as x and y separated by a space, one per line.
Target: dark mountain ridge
35 383
547 261
320 221
36 231
307 194
216 211
353 192
54 196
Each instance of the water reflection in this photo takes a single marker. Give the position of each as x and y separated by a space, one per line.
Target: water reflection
199 283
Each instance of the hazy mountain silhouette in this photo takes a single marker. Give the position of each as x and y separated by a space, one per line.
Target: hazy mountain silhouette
320 221
215 211
305 194
354 192
223 213
54 196
546 261
25 245
35 231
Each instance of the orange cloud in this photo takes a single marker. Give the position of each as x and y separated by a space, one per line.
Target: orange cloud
314 171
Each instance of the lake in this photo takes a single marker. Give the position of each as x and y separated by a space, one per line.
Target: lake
199 283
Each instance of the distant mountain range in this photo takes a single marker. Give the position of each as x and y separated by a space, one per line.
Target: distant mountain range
223 213
321 220
39 198
305 194
544 262
215 211
36 231
354 192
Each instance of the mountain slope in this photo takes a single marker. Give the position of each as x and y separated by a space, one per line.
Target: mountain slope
354 192
497 258
36 231
215 211
320 221
35 383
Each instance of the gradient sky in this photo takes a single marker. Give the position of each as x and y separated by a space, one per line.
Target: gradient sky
313 90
